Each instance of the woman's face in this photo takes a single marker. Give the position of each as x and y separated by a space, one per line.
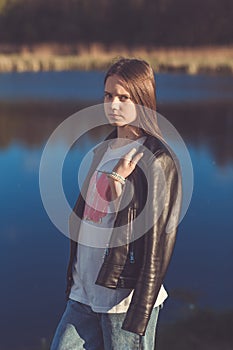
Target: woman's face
119 108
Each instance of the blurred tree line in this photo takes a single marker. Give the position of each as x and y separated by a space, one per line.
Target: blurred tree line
128 22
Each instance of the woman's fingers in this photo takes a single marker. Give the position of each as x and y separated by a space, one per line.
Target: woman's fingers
136 159
127 164
133 160
128 156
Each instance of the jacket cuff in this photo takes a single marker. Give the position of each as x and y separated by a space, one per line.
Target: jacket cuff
135 322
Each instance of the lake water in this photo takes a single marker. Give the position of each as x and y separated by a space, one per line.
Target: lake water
34 253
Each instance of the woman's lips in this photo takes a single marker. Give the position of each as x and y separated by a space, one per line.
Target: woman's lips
114 116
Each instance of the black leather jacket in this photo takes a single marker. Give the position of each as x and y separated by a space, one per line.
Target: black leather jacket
140 264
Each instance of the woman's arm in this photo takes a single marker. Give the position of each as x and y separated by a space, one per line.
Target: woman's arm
163 189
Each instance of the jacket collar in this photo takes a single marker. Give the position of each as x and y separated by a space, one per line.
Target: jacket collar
151 142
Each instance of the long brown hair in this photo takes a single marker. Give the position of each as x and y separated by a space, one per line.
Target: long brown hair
138 78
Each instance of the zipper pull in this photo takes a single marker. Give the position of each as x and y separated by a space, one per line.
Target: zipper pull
106 252
131 257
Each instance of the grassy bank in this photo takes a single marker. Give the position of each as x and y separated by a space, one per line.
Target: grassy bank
63 57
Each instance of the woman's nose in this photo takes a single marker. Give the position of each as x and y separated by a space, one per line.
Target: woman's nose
115 102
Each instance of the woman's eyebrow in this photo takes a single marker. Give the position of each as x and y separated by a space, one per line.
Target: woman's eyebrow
123 94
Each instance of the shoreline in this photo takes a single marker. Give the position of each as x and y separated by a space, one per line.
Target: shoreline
58 57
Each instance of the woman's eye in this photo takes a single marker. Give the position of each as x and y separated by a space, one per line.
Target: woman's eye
124 98
107 96
121 98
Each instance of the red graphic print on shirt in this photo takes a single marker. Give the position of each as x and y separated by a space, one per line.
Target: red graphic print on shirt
98 197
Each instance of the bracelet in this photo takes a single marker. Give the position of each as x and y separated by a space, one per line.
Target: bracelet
117 177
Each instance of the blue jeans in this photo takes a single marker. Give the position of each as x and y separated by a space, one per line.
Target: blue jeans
82 328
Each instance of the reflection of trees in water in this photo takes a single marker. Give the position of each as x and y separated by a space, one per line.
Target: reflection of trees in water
207 124
202 330
30 123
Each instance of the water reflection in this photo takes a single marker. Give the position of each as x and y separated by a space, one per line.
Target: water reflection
34 254
207 124
199 124
202 330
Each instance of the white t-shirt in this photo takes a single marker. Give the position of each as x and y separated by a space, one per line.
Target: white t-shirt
94 234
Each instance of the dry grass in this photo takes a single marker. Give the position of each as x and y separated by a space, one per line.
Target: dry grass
45 57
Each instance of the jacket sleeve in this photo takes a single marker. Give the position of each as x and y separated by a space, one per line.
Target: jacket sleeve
162 210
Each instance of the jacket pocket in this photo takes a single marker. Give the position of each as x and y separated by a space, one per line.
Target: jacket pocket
126 282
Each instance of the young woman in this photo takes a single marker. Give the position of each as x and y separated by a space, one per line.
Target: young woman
130 204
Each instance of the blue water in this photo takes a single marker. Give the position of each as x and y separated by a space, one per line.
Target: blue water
78 85
34 253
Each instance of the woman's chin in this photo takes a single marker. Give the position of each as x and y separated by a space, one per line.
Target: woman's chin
116 123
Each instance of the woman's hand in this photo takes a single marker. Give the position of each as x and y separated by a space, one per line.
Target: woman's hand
127 164
124 167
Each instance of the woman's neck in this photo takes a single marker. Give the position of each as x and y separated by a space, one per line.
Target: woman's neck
125 135
128 132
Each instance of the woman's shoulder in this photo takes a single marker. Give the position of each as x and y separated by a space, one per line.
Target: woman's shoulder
157 146
157 150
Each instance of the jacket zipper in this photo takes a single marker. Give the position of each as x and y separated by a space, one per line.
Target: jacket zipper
131 245
106 251
131 217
